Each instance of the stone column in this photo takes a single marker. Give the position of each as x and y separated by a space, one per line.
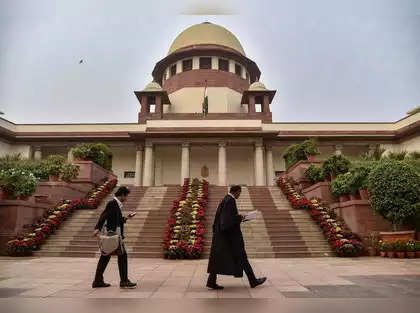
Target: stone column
37 153
251 105
222 164
70 157
338 149
185 162
148 165
159 106
214 63
259 164
139 163
196 63
270 166
232 66
266 104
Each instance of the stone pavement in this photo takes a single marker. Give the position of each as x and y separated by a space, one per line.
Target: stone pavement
158 279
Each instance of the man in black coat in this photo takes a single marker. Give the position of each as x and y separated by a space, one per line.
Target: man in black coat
114 219
228 255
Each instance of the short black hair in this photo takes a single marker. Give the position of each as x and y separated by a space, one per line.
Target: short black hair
122 191
235 188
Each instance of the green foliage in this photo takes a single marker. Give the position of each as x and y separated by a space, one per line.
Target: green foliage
376 154
335 164
413 155
341 185
54 164
395 191
400 246
70 172
360 173
314 174
17 182
95 152
396 155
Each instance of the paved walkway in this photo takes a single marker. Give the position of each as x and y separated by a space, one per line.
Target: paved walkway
295 285
158 279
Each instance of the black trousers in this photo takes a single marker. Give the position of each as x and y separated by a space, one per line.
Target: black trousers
247 269
122 267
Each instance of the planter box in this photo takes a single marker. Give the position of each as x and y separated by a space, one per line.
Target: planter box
397 235
92 173
297 171
321 191
360 217
54 192
14 214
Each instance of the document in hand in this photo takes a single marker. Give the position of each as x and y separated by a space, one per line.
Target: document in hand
253 215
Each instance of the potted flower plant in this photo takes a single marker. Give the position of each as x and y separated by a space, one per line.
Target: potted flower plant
400 248
54 165
334 165
340 187
383 248
390 249
411 249
417 248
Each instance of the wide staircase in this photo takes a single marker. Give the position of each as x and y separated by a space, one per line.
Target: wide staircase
143 233
279 232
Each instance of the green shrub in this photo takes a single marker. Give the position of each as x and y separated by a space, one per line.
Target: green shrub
394 187
413 155
335 164
360 173
95 152
396 155
17 182
314 174
400 246
54 164
341 185
70 172
36 167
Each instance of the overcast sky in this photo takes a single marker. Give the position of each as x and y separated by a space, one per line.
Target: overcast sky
328 60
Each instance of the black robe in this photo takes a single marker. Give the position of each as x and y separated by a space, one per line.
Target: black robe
227 253
113 217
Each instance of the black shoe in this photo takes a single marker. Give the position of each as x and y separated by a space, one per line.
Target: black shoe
127 285
214 286
100 284
258 282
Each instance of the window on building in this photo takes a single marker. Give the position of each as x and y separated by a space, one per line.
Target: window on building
205 63
247 76
224 65
129 174
187 65
173 70
238 70
258 104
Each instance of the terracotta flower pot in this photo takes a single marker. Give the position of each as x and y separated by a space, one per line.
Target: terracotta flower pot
417 254
354 196
2 195
383 254
401 255
53 178
372 251
344 198
411 255
364 194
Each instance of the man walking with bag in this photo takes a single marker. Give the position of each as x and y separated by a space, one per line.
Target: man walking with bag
114 220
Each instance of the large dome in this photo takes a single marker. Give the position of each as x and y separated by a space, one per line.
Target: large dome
206 33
